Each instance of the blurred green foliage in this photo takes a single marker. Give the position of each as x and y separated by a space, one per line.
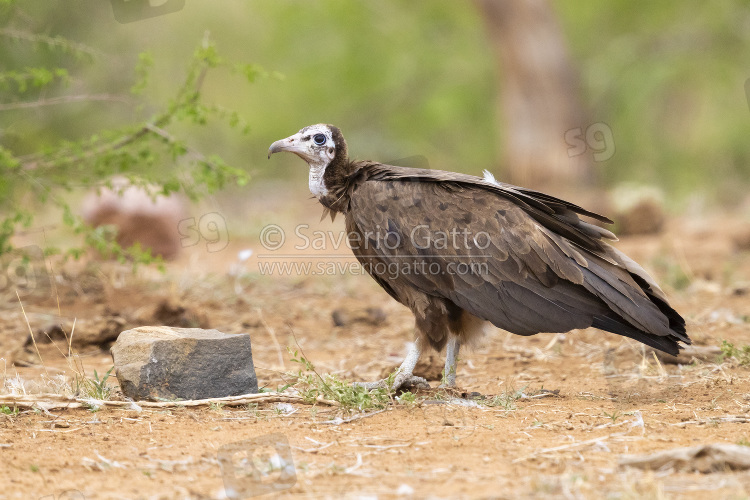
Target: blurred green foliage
400 79
669 78
145 152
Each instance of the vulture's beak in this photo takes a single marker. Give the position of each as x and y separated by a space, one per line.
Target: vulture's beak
292 144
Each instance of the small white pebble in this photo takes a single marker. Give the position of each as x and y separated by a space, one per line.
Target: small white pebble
464 402
405 489
286 408
245 254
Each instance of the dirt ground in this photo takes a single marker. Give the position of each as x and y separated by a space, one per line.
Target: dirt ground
580 401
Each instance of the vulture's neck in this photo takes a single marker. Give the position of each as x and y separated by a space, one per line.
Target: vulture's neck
331 183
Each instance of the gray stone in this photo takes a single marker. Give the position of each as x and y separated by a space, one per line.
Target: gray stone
162 362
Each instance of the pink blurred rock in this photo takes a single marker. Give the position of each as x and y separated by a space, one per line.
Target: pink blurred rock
152 222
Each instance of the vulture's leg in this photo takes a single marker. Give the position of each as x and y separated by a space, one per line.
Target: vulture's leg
432 319
404 374
451 362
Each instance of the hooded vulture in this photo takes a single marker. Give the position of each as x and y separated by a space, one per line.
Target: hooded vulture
461 251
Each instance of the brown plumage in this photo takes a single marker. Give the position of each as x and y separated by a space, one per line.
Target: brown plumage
459 250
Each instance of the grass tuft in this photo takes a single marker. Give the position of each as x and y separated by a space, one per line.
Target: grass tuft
7 410
95 388
408 399
506 400
613 416
741 355
311 385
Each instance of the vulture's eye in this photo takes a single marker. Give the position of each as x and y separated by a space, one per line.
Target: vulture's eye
319 139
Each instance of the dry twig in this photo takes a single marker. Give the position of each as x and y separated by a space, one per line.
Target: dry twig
57 401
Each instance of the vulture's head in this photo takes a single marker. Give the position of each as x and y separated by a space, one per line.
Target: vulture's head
322 147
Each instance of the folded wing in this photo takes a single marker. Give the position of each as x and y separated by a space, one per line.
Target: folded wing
517 258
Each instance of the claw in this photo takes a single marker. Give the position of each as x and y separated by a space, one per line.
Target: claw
370 385
402 381
408 380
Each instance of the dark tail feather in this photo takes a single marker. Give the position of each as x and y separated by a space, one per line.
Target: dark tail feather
676 322
667 344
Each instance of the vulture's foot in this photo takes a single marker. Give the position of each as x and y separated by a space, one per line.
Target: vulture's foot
402 380
370 385
409 381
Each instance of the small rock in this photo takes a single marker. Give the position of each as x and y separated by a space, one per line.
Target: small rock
704 286
252 319
717 457
46 335
100 331
638 209
725 316
371 316
170 312
741 238
160 362
140 217
706 354
340 317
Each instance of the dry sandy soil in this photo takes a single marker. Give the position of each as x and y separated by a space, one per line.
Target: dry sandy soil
580 401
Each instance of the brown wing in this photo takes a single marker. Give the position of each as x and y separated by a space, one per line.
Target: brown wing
559 215
525 268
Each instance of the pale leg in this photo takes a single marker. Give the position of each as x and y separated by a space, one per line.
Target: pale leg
404 374
451 362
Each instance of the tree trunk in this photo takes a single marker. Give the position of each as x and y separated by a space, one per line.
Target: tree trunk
544 121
